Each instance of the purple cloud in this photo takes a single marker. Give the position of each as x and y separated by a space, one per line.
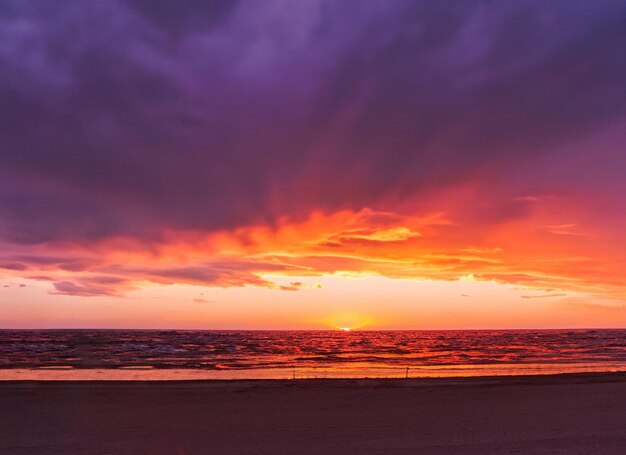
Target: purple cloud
125 118
146 121
89 286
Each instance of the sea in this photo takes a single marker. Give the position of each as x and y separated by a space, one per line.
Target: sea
236 355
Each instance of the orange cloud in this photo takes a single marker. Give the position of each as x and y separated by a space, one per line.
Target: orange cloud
439 245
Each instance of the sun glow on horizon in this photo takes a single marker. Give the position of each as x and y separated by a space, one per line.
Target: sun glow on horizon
356 303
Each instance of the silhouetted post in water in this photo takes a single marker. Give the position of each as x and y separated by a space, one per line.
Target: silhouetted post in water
294 372
406 376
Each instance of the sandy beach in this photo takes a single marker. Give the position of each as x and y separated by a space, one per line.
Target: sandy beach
565 414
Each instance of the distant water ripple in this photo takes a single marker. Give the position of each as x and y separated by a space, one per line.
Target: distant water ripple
306 350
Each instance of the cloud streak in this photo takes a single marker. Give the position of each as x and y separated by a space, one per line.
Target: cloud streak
215 143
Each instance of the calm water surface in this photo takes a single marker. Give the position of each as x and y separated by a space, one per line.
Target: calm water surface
148 354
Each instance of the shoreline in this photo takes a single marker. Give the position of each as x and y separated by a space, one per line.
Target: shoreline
67 373
529 379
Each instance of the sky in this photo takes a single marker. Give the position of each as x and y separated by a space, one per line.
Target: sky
313 164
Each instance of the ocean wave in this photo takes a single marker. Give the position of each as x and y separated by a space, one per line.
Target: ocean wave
235 350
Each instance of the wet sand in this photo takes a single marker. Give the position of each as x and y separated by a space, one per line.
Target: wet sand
565 414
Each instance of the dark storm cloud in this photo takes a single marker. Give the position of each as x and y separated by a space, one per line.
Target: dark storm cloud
180 18
125 118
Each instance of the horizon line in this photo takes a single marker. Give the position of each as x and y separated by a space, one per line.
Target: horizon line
310 330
